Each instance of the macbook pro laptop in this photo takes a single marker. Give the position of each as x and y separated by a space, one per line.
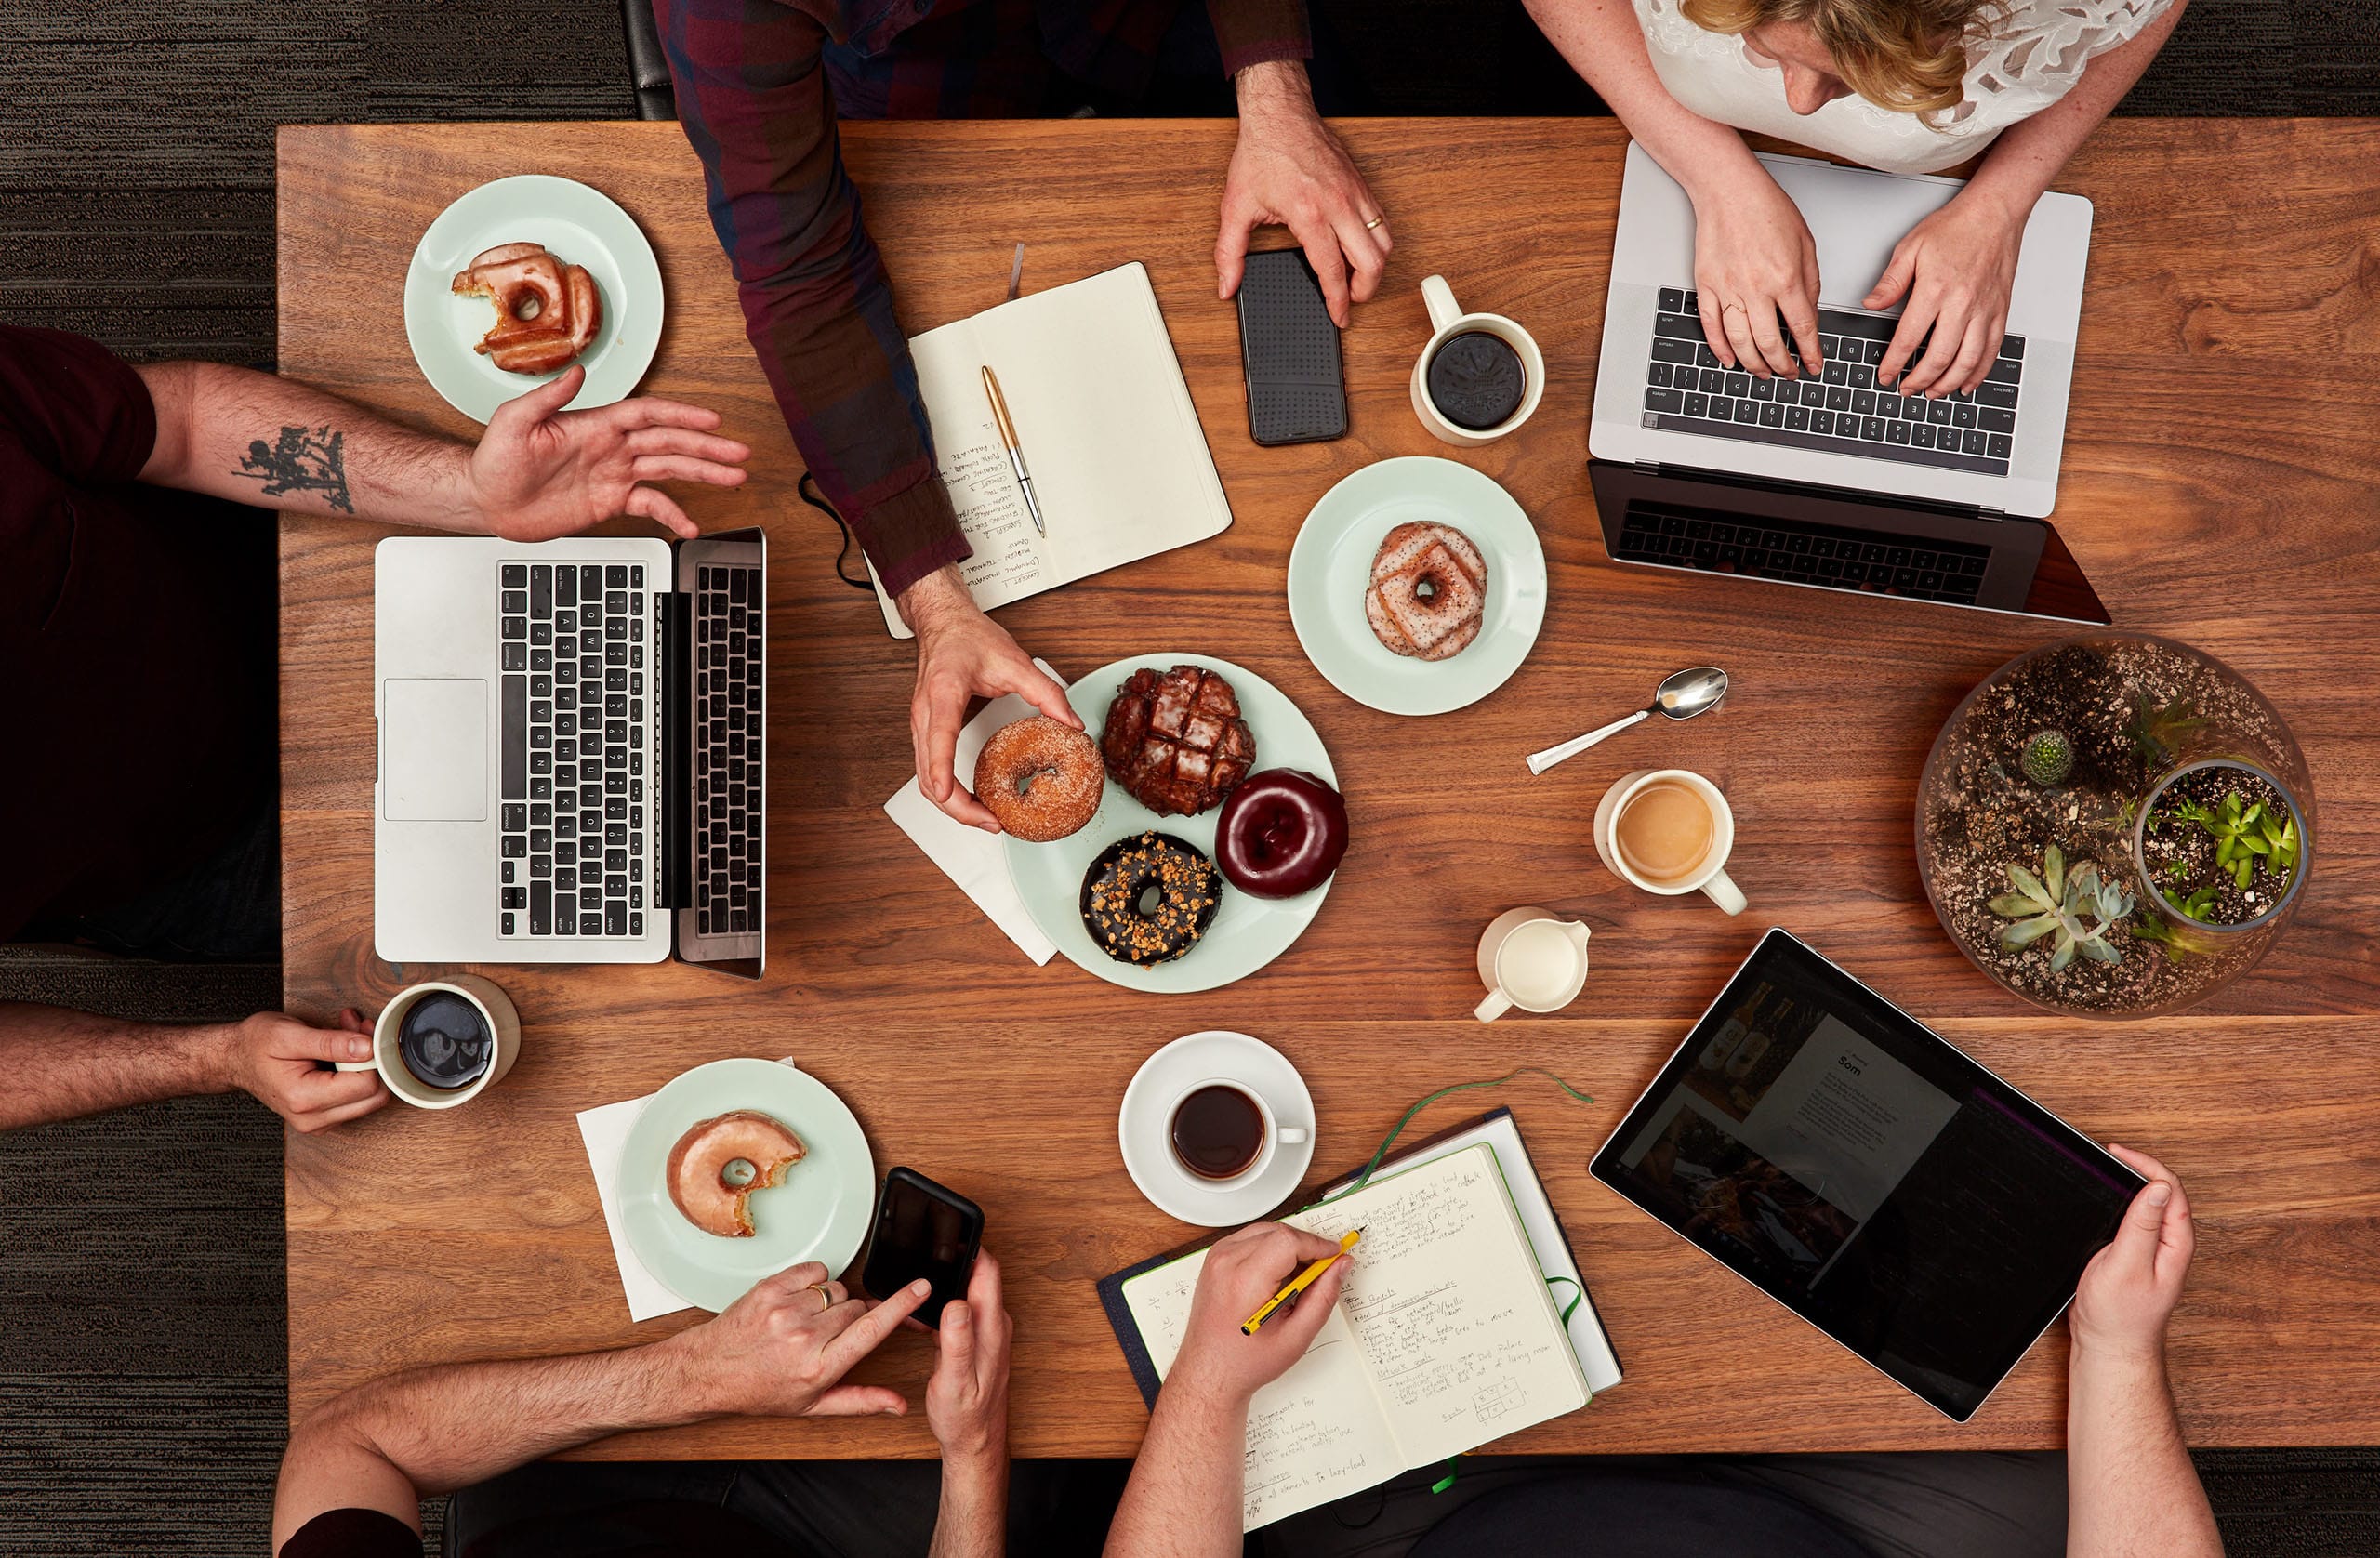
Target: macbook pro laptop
571 751
1833 480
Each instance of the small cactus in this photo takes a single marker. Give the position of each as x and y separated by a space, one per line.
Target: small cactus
2048 758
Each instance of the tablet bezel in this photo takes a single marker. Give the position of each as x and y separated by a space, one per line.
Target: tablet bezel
1807 961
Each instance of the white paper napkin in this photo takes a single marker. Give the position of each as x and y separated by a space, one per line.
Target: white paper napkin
970 857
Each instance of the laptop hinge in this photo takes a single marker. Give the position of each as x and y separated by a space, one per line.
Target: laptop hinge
671 884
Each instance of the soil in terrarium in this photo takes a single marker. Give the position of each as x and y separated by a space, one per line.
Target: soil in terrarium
2059 755
2221 845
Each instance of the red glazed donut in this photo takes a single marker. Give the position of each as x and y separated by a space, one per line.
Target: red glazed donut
1281 832
1041 779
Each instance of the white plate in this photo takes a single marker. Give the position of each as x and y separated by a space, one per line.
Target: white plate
820 1212
580 226
1248 932
1148 1103
1330 570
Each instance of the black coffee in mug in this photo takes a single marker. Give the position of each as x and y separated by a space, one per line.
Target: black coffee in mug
1218 1132
1476 381
444 1041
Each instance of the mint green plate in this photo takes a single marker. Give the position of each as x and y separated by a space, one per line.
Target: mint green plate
581 227
820 1212
1330 569
1248 932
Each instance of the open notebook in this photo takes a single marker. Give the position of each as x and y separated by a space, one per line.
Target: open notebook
1447 1336
1119 462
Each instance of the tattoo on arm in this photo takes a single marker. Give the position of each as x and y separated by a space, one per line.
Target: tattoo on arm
302 460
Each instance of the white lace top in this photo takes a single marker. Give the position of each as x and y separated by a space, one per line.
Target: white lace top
2033 57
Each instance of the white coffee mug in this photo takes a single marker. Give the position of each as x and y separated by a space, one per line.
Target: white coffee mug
1710 878
494 1009
1447 321
1528 958
1276 1134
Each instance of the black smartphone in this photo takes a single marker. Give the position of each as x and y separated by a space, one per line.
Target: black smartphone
1289 350
922 1230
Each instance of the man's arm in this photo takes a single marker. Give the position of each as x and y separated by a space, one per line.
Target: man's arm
62 1064
538 472
2131 1489
967 1403
775 1352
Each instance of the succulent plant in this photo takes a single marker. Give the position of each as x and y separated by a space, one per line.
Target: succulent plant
2057 902
2245 832
2158 730
2048 758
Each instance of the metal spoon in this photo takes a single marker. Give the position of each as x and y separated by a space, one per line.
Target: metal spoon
1682 695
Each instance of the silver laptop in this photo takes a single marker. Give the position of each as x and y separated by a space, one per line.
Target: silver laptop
572 742
1834 480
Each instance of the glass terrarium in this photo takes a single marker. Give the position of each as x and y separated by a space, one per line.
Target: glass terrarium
2115 826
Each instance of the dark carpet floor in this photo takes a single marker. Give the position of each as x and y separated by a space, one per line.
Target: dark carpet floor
142 1314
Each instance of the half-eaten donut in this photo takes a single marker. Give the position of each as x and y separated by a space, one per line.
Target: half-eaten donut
717 1164
546 312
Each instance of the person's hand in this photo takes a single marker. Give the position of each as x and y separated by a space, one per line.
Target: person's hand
1289 170
1955 267
2130 1288
275 1056
967 1397
541 471
1754 259
1241 1272
962 653
782 1349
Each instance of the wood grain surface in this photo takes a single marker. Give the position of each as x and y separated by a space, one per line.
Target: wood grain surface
2220 470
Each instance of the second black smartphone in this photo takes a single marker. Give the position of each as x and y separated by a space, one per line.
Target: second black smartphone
1289 350
922 1230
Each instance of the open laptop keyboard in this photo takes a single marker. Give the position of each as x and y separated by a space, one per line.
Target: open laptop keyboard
1836 557
730 663
577 649
1841 410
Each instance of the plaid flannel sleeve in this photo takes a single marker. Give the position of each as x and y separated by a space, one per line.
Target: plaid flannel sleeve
752 94
1251 32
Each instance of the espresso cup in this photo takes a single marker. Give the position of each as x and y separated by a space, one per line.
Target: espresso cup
1447 321
494 1009
1529 960
1709 875
1271 1135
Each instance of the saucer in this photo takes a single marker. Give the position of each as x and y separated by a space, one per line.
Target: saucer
1330 570
582 227
1192 1059
819 1211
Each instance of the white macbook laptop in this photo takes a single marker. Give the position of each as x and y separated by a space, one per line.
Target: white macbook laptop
571 751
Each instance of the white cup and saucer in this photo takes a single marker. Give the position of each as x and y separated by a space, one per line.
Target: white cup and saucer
1239 1079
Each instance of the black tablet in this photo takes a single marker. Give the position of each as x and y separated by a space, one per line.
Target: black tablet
1856 1167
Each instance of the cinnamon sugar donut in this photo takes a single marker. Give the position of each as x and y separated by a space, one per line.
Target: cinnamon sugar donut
1429 591
698 1173
1042 779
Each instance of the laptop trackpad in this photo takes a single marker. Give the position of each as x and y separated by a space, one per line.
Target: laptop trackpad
433 751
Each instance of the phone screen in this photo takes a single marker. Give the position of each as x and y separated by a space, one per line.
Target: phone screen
923 1231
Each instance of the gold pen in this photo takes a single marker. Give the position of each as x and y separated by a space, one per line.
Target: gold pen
1016 451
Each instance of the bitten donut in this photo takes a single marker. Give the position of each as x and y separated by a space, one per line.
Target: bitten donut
547 312
1147 899
1429 591
1040 778
698 1177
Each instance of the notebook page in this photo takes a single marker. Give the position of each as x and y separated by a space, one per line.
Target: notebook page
1448 1307
1314 1434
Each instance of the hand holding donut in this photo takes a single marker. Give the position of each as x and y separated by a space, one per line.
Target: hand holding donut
782 1349
961 652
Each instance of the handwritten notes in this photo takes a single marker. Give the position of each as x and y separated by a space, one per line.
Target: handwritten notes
1445 1338
1008 559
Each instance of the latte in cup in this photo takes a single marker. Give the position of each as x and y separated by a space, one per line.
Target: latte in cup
1665 833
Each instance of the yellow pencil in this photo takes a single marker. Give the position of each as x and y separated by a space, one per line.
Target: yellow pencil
1299 1284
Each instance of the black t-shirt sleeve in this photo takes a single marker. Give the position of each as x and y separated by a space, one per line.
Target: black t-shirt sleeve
353 1534
72 406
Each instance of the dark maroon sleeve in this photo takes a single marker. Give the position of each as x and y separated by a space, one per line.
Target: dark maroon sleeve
752 94
353 1534
74 407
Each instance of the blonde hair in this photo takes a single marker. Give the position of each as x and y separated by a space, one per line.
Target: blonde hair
1908 55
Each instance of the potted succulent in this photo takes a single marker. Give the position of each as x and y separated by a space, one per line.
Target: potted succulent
2114 825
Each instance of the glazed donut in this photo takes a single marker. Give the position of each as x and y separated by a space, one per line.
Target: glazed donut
1042 779
1429 591
547 312
698 1174
1147 899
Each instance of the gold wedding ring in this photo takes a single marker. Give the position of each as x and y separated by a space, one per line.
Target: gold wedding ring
1725 307
1373 223
826 1300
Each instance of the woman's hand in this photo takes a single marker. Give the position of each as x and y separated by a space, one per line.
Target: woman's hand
1955 267
1754 260
1241 1272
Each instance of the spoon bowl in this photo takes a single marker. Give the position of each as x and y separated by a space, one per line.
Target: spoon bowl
1682 695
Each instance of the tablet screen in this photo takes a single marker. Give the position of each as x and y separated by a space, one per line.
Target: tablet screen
1869 1176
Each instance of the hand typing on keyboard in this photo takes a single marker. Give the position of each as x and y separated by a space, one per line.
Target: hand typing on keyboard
540 471
1955 267
1753 260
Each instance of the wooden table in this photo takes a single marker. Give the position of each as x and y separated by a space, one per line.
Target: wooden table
2220 470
